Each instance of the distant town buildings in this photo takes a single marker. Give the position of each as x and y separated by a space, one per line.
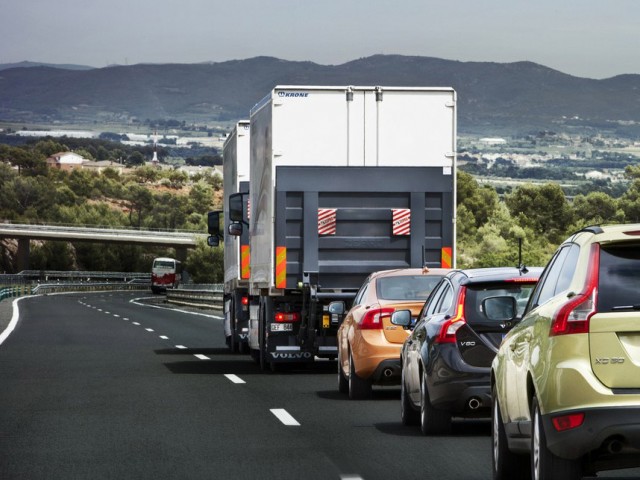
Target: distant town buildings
65 161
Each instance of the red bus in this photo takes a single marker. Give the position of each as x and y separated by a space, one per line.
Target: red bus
165 273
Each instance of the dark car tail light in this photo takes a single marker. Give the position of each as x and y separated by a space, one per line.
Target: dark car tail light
372 320
288 317
573 316
452 325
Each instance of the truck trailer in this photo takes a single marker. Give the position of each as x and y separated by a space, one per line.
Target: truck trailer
235 171
344 181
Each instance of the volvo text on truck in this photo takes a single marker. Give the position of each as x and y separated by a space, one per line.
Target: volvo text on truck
344 181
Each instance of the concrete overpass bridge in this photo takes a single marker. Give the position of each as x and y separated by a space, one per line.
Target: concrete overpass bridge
24 233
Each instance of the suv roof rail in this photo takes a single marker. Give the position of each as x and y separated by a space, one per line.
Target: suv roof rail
593 229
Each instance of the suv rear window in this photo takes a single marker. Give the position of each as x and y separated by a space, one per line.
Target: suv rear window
619 277
415 287
477 293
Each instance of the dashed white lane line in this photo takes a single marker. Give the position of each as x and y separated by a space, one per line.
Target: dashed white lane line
116 315
234 378
164 337
181 347
285 417
135 323
149 329
351 477
201 357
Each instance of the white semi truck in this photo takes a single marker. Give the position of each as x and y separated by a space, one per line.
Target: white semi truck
235 154
344 181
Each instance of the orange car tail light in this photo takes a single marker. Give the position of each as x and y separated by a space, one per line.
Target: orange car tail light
450 327
372 320
573 316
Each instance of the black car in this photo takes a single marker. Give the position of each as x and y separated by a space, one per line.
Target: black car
446 361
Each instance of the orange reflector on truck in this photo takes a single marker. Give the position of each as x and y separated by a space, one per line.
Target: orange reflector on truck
281 267
446 261
245 259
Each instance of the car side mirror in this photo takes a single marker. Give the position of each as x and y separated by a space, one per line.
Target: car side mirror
500 309
401 318
337 308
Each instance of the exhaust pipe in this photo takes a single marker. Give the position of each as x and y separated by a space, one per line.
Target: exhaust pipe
614 446
387 372
474 403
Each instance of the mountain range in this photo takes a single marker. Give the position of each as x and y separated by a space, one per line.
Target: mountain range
493 98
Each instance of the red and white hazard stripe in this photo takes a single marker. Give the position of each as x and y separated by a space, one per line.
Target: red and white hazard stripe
327 221
401 221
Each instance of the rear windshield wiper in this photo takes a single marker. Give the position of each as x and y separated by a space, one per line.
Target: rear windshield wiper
625 307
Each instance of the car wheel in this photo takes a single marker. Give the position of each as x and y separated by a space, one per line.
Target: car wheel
359 388
544 464
343 382
410 416
432 420
506 464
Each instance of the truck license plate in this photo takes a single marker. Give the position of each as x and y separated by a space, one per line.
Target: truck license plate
281 327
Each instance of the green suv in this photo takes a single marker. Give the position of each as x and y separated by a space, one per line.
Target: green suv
566 379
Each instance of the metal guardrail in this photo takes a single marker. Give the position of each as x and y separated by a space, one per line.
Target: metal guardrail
15 291
197 295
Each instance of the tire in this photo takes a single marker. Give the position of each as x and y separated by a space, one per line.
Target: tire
359 388
233 341
343 382
409 415
432 420
506 464
544 464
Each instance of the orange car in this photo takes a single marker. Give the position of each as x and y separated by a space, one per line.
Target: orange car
368 343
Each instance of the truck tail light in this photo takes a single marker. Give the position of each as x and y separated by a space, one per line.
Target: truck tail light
574 315
287 317
451 326
372 320
245 301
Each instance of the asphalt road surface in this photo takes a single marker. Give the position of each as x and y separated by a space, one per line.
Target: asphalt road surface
105 385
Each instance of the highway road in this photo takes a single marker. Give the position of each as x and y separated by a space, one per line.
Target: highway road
103 385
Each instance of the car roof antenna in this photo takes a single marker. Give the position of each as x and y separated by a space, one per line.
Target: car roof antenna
521 266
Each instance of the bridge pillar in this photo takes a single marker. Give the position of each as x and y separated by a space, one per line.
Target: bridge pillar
181 254
23 254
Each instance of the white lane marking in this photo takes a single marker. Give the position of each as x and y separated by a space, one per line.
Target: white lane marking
135 323
116 315
136 302
201 357
99 309
107 313
149 329
181 347
164 337
351 477
125 319
14 321
234 378
285 417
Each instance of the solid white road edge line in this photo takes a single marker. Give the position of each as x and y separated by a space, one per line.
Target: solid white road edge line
12 324
285 417
234 378
136 302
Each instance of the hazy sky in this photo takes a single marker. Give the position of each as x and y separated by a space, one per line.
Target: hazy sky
586 38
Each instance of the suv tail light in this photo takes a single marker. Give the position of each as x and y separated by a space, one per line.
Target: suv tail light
450 327
372 320
573 316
